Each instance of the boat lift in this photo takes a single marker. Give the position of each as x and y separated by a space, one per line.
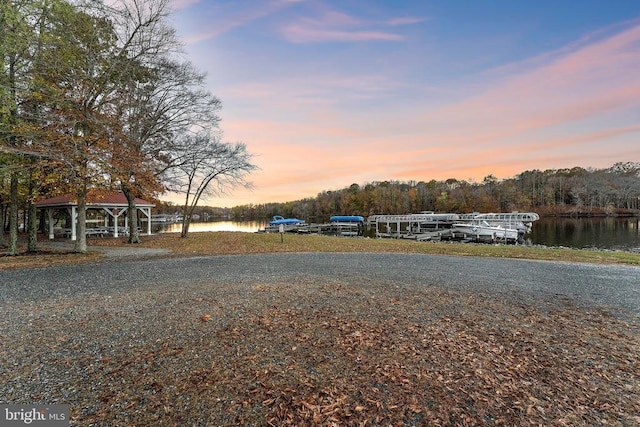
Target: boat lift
411 223
428 225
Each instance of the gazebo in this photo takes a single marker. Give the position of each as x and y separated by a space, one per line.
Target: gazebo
113 204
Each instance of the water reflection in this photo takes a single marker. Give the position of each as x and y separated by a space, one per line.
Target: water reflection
605 233
195 227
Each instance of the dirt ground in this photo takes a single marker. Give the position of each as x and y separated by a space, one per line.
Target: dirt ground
318 353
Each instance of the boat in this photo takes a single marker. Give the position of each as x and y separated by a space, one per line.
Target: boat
483 231
280 224
347 219
279 220
168 218
347 225
521 220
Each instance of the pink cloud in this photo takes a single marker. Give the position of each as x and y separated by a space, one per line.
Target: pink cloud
274 135
579 88
573 107
302 34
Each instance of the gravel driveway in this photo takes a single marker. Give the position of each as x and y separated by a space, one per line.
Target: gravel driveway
614 287
129 340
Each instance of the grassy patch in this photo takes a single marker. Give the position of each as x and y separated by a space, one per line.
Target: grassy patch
237 243
225 243
44 258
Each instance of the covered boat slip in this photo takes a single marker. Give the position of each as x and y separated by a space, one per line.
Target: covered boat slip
412 222
340 225
440 226
521 221
113 207
474 227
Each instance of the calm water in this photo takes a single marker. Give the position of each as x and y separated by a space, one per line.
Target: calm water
605 233
243 226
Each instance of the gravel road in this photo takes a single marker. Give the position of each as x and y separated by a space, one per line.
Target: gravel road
100 336
615 288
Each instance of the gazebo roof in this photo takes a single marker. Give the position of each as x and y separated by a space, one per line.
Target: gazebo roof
95 198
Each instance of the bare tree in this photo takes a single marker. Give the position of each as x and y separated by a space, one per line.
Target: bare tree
170 102
209 167
158 98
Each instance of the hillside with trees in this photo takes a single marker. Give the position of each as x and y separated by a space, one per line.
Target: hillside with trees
566 192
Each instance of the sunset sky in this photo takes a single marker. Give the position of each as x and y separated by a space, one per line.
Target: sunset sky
330 93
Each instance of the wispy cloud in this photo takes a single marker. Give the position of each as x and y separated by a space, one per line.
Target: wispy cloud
335 26
304 34
183 4
244 16
585 83
328 126
555 114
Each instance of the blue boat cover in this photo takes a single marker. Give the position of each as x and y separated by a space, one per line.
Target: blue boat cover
347 218
277 220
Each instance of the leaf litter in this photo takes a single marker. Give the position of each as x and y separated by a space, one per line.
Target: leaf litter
364 355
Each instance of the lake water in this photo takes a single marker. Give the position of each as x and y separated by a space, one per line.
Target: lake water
604 233
194 227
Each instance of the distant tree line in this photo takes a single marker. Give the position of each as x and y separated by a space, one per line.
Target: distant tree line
200 213
573 192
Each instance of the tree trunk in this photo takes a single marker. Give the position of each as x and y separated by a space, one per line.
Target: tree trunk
13 215
81 226
134 234
32 227
42 222
185 225
186 217
2 222
31 220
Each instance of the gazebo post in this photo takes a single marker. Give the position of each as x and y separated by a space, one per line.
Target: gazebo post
50 216
148 221
74 220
